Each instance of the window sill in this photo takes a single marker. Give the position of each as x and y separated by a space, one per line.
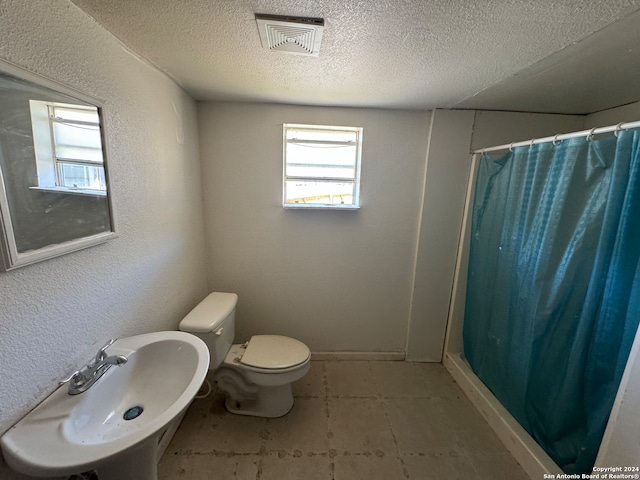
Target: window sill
71 191
318 206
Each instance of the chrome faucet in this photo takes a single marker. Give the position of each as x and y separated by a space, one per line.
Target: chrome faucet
81 380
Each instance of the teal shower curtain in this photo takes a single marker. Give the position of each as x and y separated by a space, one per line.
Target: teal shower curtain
553 295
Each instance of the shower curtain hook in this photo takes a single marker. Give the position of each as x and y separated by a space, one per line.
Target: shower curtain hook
590 134
511 147
555 140
531 143
618 129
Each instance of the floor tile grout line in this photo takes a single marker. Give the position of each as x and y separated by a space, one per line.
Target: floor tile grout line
325 384
395 440
304 454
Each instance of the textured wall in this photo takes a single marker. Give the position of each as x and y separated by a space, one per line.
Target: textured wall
337 280
55 314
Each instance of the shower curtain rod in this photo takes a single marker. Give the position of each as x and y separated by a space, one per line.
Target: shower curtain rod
562 136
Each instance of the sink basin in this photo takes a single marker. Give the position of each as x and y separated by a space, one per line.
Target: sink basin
116 425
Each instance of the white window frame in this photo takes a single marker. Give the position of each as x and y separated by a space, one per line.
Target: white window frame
49 164
355 180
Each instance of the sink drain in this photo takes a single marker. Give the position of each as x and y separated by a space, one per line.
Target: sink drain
133 412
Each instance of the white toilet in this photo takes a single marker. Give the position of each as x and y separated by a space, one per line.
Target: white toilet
255 376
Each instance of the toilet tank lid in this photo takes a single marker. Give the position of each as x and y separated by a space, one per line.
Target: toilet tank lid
210 312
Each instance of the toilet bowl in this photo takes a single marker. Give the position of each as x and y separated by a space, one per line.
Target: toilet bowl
255 376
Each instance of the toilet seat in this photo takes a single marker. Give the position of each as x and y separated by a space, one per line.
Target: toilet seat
274 352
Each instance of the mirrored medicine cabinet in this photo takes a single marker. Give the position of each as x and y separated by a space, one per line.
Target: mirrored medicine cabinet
54 183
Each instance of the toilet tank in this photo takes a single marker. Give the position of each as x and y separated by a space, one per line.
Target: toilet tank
213 321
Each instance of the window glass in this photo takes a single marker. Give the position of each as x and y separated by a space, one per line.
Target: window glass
76 135
325 193
321 166
83 176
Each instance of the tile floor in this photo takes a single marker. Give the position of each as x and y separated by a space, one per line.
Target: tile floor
352 420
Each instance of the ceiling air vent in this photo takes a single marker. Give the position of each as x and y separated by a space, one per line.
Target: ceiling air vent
298 35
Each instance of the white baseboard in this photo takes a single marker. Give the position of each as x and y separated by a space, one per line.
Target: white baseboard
392 356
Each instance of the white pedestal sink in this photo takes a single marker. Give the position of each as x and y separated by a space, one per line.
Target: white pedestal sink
69 434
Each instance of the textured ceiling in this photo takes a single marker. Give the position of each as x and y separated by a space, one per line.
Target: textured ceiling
561 56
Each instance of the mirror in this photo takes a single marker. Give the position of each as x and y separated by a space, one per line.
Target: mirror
54 196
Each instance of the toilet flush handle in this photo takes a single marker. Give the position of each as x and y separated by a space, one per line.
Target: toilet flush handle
219 332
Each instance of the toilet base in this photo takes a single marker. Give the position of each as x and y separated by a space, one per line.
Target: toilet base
272 402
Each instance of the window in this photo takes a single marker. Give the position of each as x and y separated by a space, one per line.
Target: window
68 147
321 166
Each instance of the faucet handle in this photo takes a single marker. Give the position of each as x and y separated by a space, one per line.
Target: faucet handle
102 354
70 377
